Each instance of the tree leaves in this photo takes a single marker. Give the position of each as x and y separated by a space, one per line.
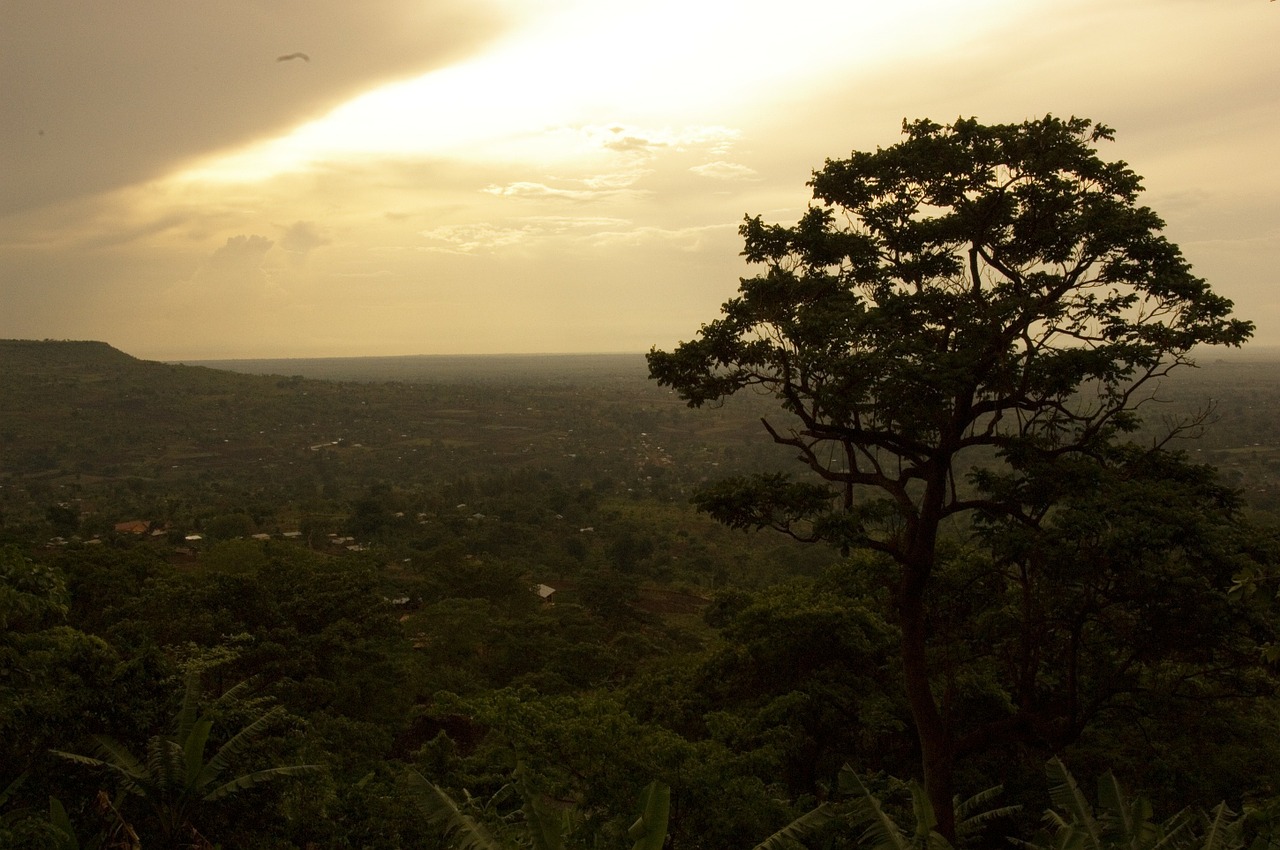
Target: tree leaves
959 321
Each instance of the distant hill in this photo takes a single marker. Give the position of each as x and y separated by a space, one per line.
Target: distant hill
79 418
72 406
60 354
531 369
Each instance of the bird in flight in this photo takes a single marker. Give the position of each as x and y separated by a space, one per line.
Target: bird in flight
304 57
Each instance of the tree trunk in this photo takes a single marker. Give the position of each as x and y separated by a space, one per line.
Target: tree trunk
937 753
936 750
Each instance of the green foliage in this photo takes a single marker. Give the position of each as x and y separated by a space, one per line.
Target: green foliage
561 739
1104 621
880 832
442 813
1118 821
56 682
801 829
175 778
959 322
32 596
649 832
543 827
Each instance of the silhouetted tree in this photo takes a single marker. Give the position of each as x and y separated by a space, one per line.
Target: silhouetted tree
973 295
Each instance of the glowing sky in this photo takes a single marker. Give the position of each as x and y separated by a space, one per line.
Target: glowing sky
484 176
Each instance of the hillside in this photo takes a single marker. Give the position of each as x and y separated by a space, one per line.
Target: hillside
84 421
114 438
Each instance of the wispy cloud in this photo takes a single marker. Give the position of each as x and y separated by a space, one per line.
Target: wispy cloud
721 170
474 238
653 141
586 233
591 189
682 238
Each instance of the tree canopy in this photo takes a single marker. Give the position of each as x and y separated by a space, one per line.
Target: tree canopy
957 322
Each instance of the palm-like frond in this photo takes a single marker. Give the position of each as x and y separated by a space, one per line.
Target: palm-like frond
649 832
234 693
193 752
116 758
922 810
881 832
1113 806
1222 830
174 777
236 745
1067 796
165 763
546 829
188 713
972 814
119 758
64 833
257 778
1133 820
440 810
1121 823
794 833
1176 832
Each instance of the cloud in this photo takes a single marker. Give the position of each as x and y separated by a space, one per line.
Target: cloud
301 238
652 141
682 238
231 278
99 96
525 189
590 189
721 170
240 253
474 238
629 143
586 233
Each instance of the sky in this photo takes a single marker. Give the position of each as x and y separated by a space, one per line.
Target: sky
530 176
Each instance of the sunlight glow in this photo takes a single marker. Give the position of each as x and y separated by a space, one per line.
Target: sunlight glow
661 65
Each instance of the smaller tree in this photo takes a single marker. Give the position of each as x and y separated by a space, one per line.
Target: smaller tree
175 779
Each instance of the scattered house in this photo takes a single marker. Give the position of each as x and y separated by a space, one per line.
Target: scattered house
545 592
133 526
292 534
192 538
260 536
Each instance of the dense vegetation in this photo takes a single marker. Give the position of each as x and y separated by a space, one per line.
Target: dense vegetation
470 604
400 629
